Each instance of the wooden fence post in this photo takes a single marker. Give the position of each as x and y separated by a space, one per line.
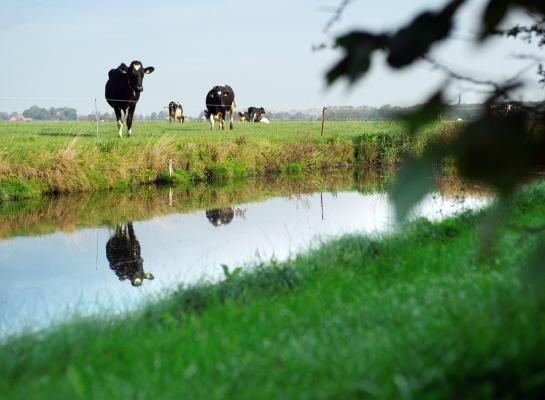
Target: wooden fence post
323 119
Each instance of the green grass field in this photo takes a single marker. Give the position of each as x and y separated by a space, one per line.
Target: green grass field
415 316
49 157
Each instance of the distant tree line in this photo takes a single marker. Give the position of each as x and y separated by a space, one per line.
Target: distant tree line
51 114
43 114
333 113
366 113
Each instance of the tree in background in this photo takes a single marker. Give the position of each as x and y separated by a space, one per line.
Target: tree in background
53 114
503 146
36 113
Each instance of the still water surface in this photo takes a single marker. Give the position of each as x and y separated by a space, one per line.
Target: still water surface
48 277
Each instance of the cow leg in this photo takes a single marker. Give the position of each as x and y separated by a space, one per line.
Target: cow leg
130 114
231 116
117 111
211 118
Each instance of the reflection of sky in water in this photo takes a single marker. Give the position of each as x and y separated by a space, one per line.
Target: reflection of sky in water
44 276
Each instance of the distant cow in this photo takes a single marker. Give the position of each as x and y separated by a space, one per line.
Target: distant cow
255 114
175 112
123 91
220 100
243 117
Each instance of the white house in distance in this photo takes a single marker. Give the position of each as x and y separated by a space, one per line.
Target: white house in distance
19 117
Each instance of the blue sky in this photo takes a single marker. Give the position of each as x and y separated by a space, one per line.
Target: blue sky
58 53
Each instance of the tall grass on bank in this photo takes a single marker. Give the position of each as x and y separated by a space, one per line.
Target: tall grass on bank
45 157
416 315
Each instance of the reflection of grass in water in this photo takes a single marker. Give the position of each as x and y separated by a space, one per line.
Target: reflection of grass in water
67 213
416 315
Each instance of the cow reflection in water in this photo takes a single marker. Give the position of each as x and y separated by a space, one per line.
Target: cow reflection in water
123 253
220 216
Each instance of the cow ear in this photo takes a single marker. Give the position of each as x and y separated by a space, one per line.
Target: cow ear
123 68
149 70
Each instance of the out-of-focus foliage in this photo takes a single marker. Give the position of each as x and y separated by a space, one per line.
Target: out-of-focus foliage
504 145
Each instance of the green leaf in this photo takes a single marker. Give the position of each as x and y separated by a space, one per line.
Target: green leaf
413 181
498 151
358 46
493 14
414 40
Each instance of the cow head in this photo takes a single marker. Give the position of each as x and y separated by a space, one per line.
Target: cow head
135 74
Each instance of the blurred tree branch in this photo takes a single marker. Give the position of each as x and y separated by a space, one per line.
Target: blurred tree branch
504 145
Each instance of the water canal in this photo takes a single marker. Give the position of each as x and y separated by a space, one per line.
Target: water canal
110 252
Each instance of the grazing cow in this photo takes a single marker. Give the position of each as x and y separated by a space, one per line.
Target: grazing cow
175 112
220 216
243 117
123 91
264 120
123 254
220 100
255 114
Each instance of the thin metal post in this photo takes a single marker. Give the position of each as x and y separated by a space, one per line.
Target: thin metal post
96 117
323 119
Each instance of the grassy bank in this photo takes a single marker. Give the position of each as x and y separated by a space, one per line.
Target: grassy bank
416 315
45 157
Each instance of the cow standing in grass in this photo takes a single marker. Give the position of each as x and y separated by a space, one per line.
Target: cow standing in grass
220 100
175 112
243 116
255 114
123 91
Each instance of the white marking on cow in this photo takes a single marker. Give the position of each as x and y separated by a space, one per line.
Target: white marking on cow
211 121
265 120
136 66
119 128
129 133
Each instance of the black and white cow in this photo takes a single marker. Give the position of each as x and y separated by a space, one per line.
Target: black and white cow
243 116
175 112
255 114
123 91
220 100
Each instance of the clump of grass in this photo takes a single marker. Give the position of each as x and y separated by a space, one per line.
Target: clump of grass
215 173
294 169
241 140
15 188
